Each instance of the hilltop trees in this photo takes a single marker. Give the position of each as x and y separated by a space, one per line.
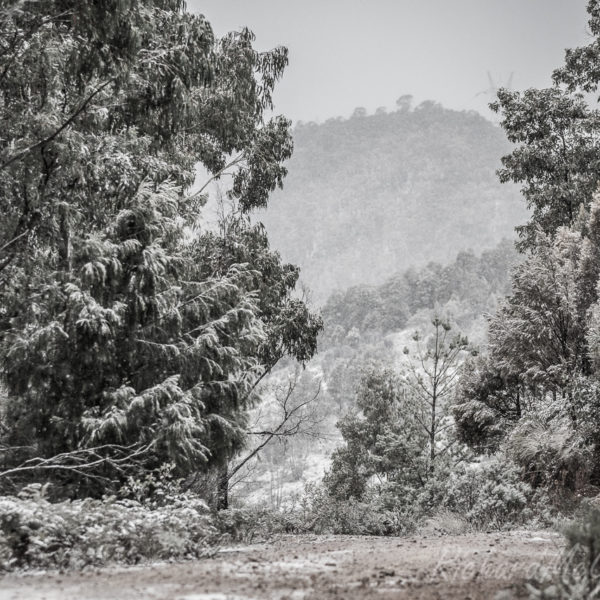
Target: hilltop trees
354 217
474 282
126 330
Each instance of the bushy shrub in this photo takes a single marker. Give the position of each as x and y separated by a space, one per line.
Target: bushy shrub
474 496
250 524
580 573
491 495
73 534
375 514
551 454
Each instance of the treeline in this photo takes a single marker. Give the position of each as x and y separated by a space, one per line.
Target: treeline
476 283
507 434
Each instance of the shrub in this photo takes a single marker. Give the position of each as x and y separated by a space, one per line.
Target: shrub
248 524
375 514
73 534
491 495
580 573
551 454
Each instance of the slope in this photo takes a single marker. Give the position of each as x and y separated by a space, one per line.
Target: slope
375 194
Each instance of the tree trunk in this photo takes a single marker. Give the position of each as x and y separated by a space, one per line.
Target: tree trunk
64 245
432 431
432 447
223 488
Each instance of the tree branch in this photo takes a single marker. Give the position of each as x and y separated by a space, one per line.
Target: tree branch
56 133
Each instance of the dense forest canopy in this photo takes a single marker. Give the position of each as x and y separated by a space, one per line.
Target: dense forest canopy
468 287
373 195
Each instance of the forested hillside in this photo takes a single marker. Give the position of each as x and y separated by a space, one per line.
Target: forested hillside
375 194
467 288
366 327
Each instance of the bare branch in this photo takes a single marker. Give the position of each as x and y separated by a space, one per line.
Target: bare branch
281 430
80 461
16 239
218 174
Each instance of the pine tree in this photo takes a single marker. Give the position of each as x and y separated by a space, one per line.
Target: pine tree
431 373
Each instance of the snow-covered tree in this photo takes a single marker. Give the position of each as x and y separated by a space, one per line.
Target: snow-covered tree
123 324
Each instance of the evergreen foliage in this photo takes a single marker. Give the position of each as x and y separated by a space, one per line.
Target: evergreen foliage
541 341
431 374
540 378
383 439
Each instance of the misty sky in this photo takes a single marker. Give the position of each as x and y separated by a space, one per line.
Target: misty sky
350 53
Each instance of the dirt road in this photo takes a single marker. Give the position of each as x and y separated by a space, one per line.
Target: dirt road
475 566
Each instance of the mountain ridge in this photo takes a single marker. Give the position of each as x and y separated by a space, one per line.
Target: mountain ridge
373 195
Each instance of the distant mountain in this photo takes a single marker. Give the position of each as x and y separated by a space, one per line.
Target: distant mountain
370 196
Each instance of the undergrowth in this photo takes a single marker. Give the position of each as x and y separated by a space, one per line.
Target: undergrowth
36 533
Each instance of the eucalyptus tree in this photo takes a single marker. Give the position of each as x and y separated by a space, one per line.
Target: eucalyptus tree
557 154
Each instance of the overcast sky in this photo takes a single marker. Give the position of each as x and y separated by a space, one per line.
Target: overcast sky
350 53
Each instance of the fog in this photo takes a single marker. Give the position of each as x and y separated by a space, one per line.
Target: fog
350 53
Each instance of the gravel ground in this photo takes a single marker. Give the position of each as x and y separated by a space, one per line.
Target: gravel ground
484 566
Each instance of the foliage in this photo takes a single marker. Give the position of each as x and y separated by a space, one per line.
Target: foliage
383 440
35 533
251 524
540 331
317 512
122 321
557 156
473 496
431 373
584 545
351 516
491 495
473 281
541 340
577 576
550 454
541 372
487 402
